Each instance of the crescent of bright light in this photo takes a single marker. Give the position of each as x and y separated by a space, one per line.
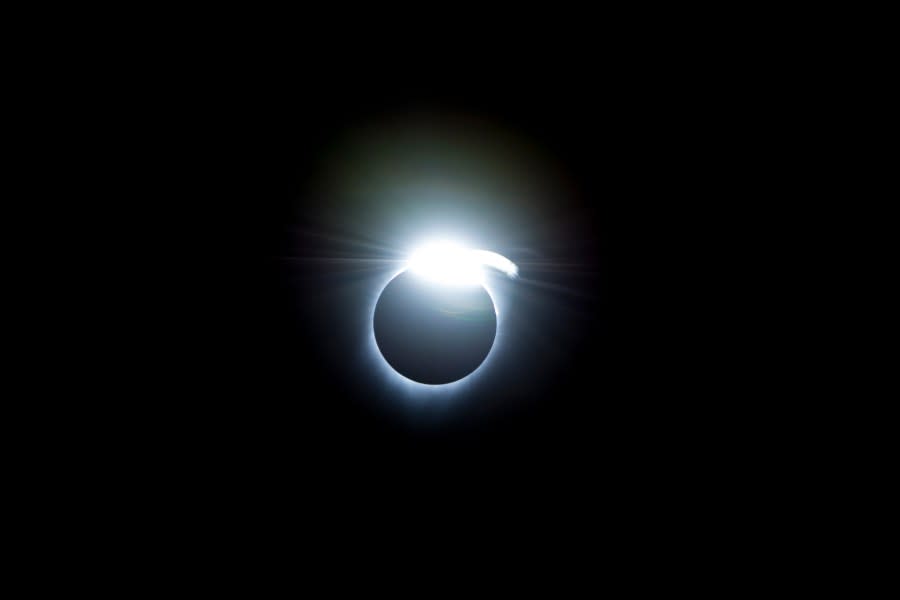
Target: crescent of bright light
448 263
496 261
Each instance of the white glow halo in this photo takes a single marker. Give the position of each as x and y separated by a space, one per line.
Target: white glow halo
445 263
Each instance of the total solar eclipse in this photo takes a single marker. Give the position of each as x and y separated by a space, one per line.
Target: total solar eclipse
435 322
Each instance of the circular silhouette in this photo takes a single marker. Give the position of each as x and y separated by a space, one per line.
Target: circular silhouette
434 333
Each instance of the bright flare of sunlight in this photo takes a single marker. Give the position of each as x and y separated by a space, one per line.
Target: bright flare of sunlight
450 263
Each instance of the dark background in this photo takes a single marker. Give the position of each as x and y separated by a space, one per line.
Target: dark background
211 390
240 378
217 374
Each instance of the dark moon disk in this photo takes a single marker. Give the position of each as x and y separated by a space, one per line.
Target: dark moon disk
434 333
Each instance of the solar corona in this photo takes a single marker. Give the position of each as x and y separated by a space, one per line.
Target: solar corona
435 321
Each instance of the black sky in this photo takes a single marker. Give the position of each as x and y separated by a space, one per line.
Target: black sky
245 358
